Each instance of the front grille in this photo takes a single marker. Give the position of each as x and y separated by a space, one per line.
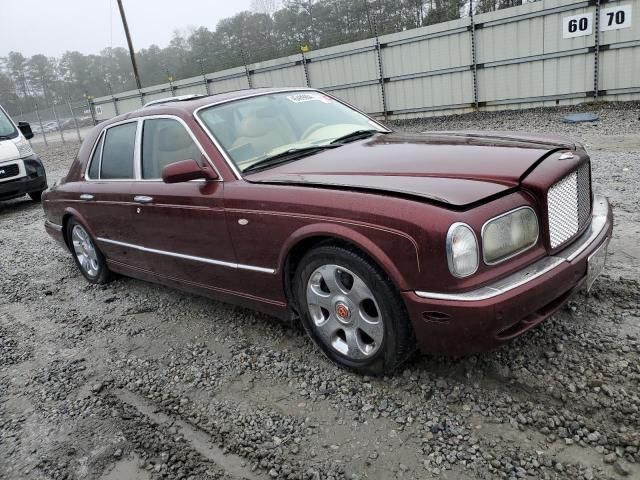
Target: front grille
7 171
569 205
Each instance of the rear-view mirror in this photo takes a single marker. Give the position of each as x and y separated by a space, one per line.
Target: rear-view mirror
25 128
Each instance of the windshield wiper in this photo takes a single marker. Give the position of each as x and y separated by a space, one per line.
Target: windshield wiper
356 135
286 156
5 137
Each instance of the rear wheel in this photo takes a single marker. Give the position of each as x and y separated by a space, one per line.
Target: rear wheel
86 254
352 312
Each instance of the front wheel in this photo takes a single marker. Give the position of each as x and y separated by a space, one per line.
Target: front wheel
352 311
36 196
88 258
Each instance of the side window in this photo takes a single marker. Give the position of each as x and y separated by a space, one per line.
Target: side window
165 141
94 168
117 155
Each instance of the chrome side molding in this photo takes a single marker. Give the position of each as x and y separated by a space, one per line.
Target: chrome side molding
210 261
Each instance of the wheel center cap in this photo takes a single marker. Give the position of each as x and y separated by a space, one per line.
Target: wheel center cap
343 312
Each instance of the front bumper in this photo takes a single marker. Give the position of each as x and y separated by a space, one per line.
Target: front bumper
34 180
475 321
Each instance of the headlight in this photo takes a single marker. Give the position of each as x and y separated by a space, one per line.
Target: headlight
509 234
462 250
24 149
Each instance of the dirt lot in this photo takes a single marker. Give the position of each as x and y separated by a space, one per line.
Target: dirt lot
136 381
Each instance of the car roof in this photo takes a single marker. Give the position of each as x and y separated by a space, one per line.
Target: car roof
188 106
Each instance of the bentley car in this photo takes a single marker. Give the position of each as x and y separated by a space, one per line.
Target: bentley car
291 202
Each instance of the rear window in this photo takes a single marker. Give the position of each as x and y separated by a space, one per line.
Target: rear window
118 152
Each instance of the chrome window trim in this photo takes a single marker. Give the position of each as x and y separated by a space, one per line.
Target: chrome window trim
518 252
93 149
538 268
104 133
193 137
210 261
450 252
222 151
137 155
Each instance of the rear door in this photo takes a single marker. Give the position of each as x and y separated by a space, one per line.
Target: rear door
105 200
180 228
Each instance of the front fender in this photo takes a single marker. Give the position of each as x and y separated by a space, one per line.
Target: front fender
369 244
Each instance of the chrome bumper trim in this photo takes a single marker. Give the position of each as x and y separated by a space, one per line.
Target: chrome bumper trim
53 226
537 269
188 257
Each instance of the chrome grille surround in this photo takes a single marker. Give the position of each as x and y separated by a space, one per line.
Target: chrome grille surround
569 205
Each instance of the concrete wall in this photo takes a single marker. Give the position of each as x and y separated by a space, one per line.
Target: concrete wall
522 59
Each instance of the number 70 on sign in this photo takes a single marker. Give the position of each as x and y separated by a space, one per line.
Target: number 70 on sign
612 18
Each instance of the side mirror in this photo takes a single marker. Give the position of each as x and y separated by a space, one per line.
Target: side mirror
25 128
186 170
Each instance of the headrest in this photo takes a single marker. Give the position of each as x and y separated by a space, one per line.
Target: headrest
257 124
171 139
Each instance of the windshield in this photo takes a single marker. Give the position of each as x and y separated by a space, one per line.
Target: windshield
253 129
7 128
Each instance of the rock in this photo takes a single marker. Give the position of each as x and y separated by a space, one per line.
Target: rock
622 468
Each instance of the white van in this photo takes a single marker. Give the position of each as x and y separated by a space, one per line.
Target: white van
21 170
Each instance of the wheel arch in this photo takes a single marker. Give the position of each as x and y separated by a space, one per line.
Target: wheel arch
70 213
312 236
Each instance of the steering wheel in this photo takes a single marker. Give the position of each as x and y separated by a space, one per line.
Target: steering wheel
312 128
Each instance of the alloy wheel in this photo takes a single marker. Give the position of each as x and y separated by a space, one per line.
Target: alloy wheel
344 312
85 251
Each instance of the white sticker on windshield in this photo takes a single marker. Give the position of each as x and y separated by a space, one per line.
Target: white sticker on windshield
308 97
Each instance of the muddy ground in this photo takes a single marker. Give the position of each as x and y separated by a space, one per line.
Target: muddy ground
136 381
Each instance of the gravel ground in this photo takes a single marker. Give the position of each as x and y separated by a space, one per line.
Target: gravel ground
135 381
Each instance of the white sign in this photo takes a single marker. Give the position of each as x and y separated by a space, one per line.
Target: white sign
614 18
98 109
577 25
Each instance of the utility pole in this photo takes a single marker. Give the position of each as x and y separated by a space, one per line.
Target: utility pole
131 53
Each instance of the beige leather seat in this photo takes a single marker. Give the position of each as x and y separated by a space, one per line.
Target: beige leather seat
172 144
263 132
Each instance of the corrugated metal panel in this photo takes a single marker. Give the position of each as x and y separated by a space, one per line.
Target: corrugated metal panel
438 90
620 68
511 81
343 70
283 77
367 98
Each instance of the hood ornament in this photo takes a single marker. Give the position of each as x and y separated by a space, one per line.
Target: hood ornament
566 156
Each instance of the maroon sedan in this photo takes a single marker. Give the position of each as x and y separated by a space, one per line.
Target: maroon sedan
291 202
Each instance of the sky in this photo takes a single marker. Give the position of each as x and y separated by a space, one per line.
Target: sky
52 27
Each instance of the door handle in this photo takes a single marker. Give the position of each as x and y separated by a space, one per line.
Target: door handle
86 196
142 199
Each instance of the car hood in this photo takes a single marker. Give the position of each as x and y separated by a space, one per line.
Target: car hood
455 168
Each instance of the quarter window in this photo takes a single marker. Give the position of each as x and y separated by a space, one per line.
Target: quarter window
94 169
118 152
165 141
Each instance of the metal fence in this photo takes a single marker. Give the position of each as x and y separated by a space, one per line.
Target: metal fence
58 122
545 53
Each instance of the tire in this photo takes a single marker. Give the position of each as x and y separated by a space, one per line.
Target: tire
36 196
88 258
352 311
